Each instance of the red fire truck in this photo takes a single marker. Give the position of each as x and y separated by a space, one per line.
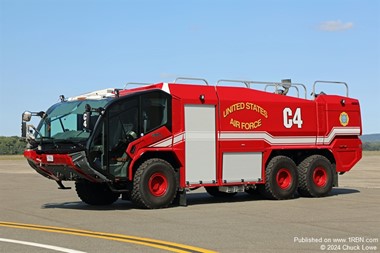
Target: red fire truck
153 143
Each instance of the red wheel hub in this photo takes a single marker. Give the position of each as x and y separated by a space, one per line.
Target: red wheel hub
284 178
158 184
320 177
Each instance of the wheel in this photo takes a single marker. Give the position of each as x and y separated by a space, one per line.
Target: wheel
281 179
154 185
214 191
96 194
316 176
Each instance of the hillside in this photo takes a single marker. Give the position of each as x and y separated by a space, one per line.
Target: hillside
370 138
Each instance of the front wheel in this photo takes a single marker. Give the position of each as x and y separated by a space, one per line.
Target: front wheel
155 184
96 194
281 178
316 176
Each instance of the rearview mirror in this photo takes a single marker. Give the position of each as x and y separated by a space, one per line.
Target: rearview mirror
26 116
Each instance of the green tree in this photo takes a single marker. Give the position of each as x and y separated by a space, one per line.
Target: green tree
11 145
371 146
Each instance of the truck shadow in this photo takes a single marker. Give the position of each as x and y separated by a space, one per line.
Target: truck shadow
79 205
204 198
199 198
342 191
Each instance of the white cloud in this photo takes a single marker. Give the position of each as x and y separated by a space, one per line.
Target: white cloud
335 26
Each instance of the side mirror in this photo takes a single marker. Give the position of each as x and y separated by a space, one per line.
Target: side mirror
26 116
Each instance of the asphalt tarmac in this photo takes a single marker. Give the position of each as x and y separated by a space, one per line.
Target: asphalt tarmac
37 217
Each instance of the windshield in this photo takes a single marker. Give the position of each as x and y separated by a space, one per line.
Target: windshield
64 121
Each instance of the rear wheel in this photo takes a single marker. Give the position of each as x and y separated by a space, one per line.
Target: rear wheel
281 178
316 176
154 185
95 193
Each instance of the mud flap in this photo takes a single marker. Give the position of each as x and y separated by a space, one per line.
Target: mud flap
180 198
336 177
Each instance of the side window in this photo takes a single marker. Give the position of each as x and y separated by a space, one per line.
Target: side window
123 120
154 111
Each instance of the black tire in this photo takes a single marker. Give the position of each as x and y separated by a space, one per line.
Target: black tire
316 176
214 191
154 185
97 194
281 179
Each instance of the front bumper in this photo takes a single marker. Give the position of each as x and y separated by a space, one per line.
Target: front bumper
63 167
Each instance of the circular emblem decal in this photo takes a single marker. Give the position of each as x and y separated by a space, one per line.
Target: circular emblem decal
343 118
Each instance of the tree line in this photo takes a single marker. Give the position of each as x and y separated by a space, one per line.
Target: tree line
15 145
371 146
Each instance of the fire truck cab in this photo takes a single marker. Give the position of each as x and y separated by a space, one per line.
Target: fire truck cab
156 142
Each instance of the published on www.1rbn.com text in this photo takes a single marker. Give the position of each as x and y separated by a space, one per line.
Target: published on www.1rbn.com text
341 244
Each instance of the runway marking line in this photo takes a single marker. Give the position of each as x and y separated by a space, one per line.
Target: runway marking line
164 245
39 245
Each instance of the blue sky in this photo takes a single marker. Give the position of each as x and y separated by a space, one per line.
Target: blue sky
51 47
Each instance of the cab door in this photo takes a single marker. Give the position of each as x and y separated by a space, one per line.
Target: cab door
125 120
111 136
122 127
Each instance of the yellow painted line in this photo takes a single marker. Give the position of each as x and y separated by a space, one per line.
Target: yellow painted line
164 245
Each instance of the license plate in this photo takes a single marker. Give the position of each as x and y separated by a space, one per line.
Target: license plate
50 158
